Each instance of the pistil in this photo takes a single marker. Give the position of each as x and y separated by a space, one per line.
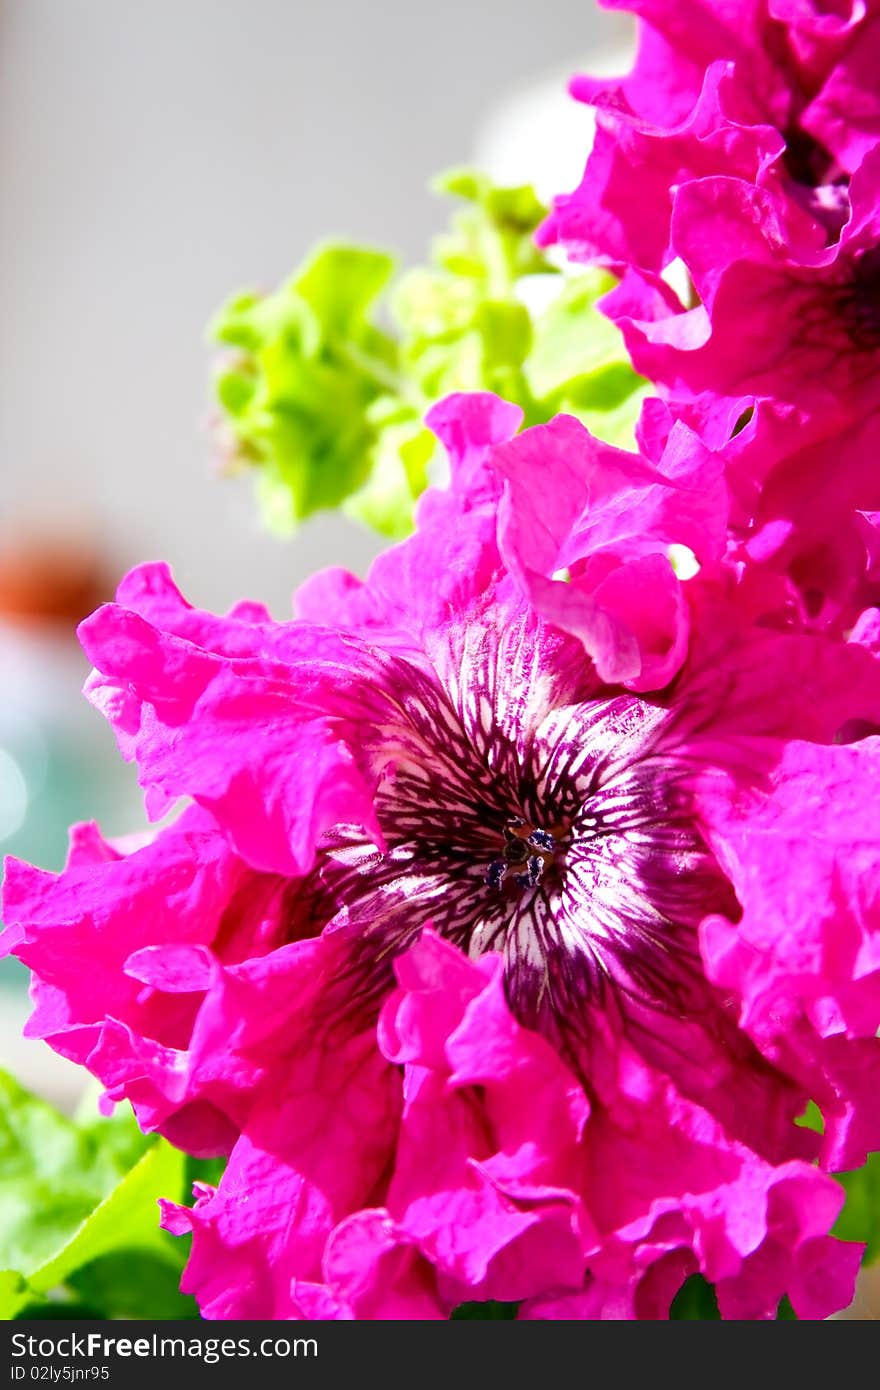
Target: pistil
527 851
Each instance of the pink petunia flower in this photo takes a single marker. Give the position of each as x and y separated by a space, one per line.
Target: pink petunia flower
504 1183
743 148
781 92
493 971
802 360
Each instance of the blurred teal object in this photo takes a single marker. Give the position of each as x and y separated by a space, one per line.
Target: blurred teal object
58 759
58 764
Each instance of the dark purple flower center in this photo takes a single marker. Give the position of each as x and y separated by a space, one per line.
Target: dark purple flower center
807 161
857 300
562 838
526 853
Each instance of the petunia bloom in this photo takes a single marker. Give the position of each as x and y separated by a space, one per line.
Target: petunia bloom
776 93
494 974
739 162
803 359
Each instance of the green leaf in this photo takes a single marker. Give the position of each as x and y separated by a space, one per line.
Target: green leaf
616 425
572 339
72 1194
491 1311
310 364
695 1301
127 1218
13 1293
398 476
340 283
506 330
134 1283
860 1218
52 1175
812 1118
61 1308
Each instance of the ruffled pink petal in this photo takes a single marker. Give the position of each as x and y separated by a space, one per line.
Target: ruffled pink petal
487 1198
807 976
694 1201
187 715
607 519
622 209
380 1272
132 957
312 1152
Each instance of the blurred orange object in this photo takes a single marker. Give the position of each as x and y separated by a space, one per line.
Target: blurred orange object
46 579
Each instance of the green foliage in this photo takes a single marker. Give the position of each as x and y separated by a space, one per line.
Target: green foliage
860 1218
695 1301
309 367
327 404
484 1312
79 1224
812 1118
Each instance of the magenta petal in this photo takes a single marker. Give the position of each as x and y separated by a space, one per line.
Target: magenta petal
806 979
379 1272
608 518
315 1155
